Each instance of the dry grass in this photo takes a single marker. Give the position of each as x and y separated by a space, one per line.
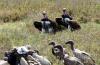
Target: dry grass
14 10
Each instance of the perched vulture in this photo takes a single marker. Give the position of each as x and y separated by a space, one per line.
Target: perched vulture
82 55
47 25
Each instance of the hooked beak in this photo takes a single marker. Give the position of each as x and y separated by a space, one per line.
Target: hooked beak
67 43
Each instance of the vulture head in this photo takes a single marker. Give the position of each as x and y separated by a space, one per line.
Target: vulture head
59 50
59 47
52 43
64 9
44 14
70 42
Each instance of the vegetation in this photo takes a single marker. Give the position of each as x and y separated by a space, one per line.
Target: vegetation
19 29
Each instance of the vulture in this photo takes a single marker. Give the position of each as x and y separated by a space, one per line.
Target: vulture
66 21
56 50
82 55
41 59
45 25
67 59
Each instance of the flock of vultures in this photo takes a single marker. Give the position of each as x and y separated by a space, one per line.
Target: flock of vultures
48 26
25 55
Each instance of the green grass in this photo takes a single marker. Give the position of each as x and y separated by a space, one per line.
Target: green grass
22 31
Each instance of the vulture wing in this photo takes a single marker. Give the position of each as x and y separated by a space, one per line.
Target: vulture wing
59 21
74 25
88 57
61 24
38 25
84 57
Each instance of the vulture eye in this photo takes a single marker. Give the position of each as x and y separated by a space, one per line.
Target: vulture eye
56 50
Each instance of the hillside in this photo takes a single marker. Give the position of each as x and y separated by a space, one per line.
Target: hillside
16 26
